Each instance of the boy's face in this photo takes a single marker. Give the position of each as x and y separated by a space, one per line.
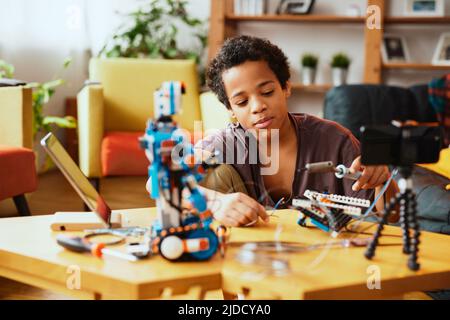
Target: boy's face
255 95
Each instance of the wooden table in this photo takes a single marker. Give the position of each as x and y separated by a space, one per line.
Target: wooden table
335 273
29 254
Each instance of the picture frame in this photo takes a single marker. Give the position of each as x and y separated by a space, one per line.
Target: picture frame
424 8
441 55
394 49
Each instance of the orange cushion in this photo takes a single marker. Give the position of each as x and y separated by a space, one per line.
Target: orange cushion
122 155
17 171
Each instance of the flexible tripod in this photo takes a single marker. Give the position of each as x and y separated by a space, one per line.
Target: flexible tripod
408 219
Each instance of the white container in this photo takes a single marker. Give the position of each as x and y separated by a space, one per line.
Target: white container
339 76
308 76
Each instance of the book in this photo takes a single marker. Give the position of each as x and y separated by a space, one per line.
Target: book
238 7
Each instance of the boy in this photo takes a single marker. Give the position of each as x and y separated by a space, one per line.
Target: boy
250 76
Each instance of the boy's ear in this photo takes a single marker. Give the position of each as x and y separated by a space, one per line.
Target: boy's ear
287 91
232 115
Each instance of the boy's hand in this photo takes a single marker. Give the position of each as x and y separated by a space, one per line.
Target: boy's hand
236 209
371 177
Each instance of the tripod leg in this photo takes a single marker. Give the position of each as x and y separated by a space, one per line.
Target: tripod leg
413 263
405 223
370 252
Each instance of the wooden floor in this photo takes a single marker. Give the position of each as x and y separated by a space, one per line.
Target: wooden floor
55 194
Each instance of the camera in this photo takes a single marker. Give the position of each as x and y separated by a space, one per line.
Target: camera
401 143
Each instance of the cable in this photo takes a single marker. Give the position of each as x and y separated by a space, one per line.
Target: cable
383 190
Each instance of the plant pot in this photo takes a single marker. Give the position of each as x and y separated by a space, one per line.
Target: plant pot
339 76
308 76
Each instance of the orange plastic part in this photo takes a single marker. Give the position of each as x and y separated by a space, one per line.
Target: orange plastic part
96 249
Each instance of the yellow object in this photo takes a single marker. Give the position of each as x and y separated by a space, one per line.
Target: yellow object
29 254
123 101
214 114
86 277
16 117
441 167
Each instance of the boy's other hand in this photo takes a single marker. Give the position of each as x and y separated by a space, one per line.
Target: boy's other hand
371 176
236 209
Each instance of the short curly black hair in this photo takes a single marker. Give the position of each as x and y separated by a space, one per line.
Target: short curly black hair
240 49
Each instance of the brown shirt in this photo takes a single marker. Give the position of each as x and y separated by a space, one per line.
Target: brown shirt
319 140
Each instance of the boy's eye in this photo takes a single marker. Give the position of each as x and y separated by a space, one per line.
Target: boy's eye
241 103
267 93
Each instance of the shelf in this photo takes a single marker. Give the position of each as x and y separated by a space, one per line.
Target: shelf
316 88
299 18
416 66
417 20
337 19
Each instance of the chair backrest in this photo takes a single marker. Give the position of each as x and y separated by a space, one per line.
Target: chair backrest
214 113
356 105
16 117
129 84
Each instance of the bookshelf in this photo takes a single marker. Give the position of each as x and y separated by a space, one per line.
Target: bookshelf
290 18
416 66
223 24
313 88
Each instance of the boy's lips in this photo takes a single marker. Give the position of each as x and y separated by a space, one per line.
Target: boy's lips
264 122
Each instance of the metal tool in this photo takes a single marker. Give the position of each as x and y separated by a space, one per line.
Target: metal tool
340 171
79 244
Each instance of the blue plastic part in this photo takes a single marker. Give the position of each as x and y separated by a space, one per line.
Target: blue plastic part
319 225
153 172
172 98
207 222
190 220
213 243
198 200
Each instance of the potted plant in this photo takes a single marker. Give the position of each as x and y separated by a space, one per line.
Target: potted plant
309 67
153 32
6 69
339 64
42 124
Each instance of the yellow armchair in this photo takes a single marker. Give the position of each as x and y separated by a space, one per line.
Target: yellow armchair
16 117
120 98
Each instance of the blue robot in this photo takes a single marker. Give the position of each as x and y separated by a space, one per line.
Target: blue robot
182 232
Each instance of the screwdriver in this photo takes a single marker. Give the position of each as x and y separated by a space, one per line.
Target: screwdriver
78 244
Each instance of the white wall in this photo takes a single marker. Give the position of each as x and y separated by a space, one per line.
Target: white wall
36 36
326 39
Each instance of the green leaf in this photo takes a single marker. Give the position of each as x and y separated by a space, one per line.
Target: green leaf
171 53
52 84
6 69
65 122
340 60
67 62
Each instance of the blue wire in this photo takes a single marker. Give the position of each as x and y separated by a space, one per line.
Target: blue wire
276 205
383 190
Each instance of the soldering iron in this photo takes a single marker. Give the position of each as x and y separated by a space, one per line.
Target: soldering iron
340 171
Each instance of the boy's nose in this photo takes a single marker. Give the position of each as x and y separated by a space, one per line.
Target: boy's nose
258 106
